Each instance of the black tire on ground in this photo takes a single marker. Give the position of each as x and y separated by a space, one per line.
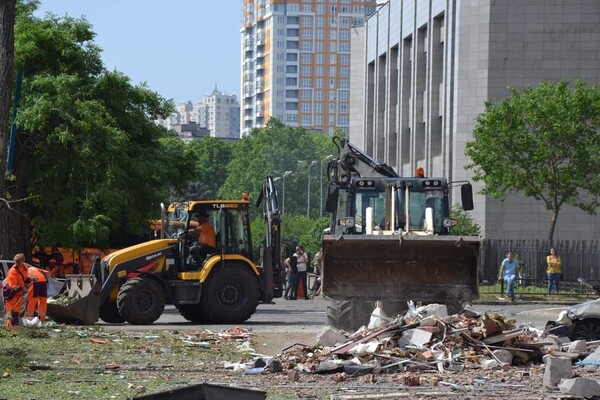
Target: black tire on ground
349 315
191 312
141 300
230 295
109 313
587 329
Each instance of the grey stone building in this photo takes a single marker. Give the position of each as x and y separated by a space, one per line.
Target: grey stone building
421 71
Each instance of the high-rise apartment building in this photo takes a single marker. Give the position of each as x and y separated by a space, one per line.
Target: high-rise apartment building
296 62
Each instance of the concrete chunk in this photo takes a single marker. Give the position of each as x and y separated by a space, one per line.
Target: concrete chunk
578 346
583 387
504 356
330 337
557 368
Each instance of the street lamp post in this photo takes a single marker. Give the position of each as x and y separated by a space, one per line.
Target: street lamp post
286 173
282 177
313 162
329 157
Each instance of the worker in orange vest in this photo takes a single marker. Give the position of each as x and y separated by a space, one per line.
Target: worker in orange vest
37 295
13 287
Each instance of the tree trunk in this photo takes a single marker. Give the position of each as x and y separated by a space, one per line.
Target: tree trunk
7 49
553 225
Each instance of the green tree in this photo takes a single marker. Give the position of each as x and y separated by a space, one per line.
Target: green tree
464 222
211 157
271 151
7 43
542 142
87 153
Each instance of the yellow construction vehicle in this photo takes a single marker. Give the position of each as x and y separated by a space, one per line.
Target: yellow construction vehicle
134 284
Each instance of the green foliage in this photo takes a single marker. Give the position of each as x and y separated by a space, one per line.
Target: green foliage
465 225
272 150
211 157
97 165
542 142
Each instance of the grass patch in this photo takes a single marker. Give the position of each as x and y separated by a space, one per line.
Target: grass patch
89 362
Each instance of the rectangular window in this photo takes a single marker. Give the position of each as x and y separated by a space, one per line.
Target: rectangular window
307 20
291 81
306 107
291 69
291 117
319 83
320 21
319 46
307 7
306 95
307 46
291 94
344 95
306 70
291 106
291 57
332 58
319 95
331 71
305 119
344 71
342 120
318 70
343 107
318 119
307 33
344 47
332 46
344 34
319 34
319 58
344 59
305 83
318 107
333 34
344 83
306 58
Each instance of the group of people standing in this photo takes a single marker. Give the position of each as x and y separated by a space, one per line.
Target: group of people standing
510 269
296 274
21 280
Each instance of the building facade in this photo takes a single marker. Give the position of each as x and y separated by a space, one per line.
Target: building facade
296 62
421 71
218 113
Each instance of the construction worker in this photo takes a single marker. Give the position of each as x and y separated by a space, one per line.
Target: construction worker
13 287
37 295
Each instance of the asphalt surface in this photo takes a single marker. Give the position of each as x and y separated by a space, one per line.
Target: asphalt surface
287 315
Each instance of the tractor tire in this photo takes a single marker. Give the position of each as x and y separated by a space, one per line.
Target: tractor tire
141 300
587 329
349 316
109 313
191 312
230 294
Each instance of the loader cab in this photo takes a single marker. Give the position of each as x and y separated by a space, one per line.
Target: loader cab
229 220
376 194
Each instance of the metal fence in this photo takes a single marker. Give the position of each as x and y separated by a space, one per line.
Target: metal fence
580 259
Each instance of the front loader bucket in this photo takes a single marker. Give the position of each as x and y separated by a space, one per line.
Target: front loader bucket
428 269
79 303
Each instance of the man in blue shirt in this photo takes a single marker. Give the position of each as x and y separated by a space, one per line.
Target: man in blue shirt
508 271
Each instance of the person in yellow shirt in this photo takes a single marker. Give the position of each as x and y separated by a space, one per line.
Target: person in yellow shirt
554 270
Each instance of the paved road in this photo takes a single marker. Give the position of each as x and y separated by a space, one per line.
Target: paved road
311 315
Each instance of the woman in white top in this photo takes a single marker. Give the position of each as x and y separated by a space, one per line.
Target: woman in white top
299 260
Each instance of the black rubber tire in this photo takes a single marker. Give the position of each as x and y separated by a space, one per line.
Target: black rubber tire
230 295
109 313
191 312
349 315
141 300
587 329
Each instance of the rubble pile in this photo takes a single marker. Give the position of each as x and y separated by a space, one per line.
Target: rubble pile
425 346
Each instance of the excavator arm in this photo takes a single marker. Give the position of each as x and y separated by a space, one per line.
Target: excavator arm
272 283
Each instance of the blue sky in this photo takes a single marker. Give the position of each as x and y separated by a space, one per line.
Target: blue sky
180 48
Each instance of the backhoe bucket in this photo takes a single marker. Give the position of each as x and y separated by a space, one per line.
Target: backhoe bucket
79 303
428 269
